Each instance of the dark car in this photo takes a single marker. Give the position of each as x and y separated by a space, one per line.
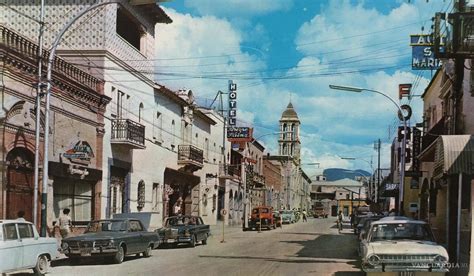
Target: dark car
114 238
183 229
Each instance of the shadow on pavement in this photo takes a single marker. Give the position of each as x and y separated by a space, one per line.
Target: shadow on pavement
281 260
88 261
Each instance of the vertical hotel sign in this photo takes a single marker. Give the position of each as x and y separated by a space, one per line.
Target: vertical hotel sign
232 103
423 57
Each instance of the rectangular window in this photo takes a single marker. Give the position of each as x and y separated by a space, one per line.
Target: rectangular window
128 29
26 231
75 195
155 197
9 231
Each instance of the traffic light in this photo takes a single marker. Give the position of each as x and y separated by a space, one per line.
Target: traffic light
401 133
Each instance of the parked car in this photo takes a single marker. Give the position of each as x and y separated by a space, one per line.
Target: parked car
288 216
358 227
113 238
262 217
22 248
184 229
394 245
278 219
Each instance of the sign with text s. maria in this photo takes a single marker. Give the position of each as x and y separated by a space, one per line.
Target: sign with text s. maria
239 134
423 57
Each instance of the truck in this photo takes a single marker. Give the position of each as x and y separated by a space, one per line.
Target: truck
319 211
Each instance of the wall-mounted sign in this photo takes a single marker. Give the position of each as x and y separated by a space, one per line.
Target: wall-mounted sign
239 134
232 103
80 153
416 145
423 57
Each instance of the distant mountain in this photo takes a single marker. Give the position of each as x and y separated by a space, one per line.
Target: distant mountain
337 174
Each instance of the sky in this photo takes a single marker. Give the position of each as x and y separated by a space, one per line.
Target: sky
279 51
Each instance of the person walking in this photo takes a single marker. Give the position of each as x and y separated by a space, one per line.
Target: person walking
65 223
340 217
305 219
352 219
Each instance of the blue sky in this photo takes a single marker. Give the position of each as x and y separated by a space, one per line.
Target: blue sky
277 49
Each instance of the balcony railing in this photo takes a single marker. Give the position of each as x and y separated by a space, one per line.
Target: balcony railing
259 180
229 171
190 156
129 133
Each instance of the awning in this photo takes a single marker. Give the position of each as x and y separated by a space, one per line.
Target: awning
454 154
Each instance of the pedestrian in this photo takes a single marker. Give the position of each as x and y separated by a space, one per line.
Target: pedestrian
305 216
177 207
352 218
340 217
21 215
65 223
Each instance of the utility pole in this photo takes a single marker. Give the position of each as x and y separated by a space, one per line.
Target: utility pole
377 146
39 92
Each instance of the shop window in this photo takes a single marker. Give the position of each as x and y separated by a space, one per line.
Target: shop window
128 29
141 195
75 195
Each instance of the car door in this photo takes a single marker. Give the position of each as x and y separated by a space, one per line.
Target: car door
11 251
31 246
143 236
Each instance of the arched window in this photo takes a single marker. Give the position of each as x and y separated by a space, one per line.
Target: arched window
141 195
173 133
140 112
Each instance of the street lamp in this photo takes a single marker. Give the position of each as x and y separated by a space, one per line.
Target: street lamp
403 150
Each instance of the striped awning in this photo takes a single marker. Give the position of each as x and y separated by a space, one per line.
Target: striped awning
454 154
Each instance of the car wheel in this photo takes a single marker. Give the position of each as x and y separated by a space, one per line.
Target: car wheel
119 256
42 265
193 241
147 252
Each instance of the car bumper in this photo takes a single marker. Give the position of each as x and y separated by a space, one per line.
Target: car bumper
176 240
90 252
409 267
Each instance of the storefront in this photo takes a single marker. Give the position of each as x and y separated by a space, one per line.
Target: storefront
181 193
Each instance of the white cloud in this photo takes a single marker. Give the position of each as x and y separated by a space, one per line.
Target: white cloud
333 123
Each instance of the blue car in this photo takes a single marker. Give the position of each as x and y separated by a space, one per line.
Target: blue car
288 216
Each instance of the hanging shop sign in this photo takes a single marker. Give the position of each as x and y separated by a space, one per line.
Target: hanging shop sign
80 153
232 103
423 56
416 145
239 134
407 112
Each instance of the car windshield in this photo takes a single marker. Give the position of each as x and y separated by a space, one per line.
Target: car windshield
180 221
261 210
401 231
106 226
286 212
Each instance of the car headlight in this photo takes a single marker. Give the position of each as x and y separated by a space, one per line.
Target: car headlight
374 260
440 259
64 246
111 243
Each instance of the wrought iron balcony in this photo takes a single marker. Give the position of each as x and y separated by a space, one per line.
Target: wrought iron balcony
191 157
128 133
259 180
229 171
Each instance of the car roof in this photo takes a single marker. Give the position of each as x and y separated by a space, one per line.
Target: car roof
390 220
14 221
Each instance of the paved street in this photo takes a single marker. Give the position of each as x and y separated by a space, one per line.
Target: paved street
312 248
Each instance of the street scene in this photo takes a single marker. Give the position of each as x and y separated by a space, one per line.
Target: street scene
314 248
238 137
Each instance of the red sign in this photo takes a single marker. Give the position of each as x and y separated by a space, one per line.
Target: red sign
404 90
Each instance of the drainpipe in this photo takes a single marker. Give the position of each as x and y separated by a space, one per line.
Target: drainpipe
458 227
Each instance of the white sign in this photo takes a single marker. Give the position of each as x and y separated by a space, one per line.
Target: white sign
223 212
232 103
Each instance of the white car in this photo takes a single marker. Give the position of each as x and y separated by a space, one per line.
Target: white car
22 248
396 244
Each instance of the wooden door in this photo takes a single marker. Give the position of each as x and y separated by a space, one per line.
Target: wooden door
20 189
